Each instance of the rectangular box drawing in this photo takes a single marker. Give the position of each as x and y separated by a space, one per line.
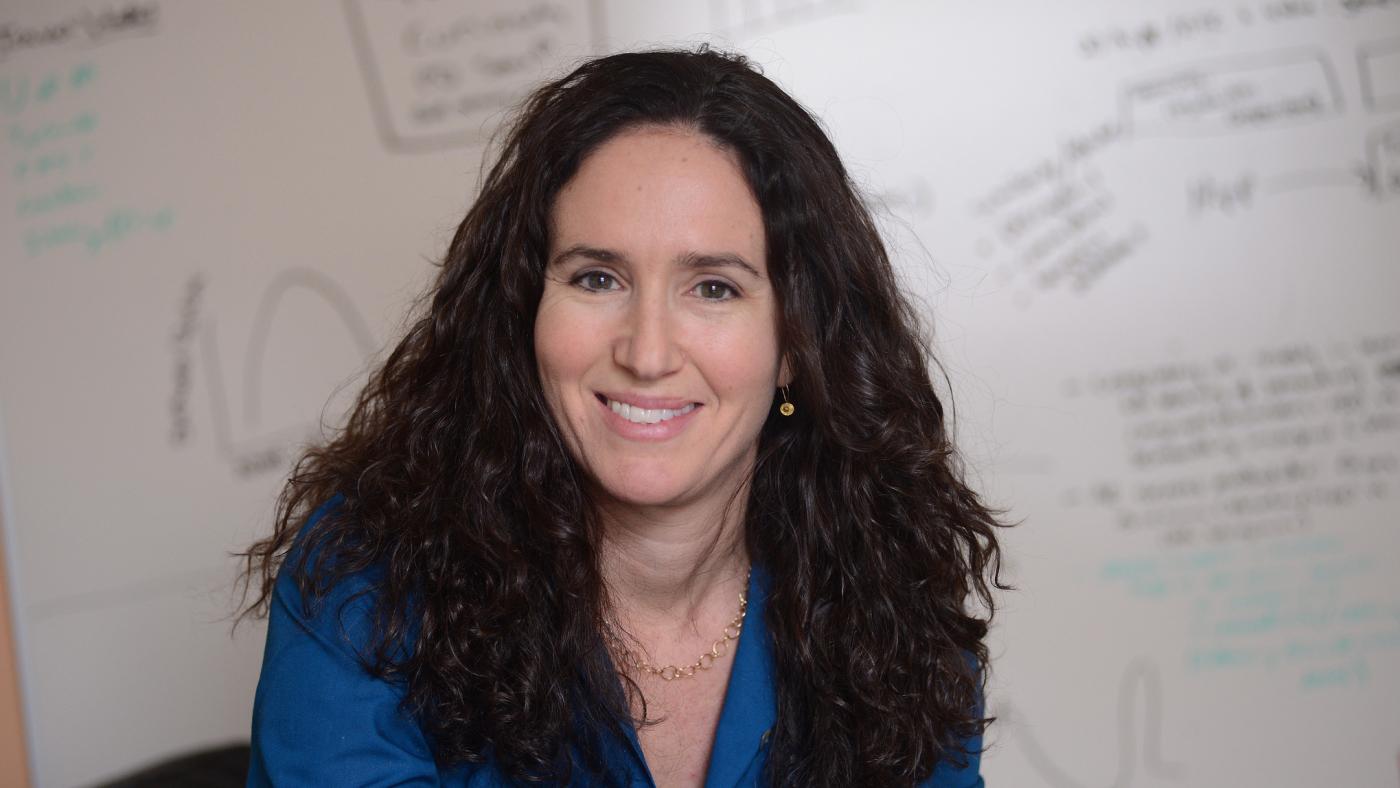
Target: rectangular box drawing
1378 65
440 75
1239 94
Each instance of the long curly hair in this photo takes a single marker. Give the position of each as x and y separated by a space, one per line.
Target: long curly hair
453 477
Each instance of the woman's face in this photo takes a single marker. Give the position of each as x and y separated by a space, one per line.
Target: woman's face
656 333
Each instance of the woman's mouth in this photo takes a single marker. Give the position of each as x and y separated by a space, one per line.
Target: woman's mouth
636 421
647 415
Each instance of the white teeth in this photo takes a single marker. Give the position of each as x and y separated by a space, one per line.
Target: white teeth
643 415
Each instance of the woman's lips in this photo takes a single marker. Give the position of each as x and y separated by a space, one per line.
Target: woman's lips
646 401
660 431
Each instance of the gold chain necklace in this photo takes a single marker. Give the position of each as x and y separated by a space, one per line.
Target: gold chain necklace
706 660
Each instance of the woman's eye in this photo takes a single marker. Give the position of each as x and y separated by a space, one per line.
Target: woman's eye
714 290
596 280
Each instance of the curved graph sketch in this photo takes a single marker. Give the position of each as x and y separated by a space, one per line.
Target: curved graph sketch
1139 742
255 356
265 448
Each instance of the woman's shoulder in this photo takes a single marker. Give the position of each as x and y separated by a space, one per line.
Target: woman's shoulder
316 590
320 712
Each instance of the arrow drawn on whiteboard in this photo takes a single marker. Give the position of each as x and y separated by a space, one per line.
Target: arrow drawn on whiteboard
1139 727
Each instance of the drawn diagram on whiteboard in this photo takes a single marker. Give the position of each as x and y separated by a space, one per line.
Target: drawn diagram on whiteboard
439 75
1055 224
1139 741
1375 175
1236 94
305 341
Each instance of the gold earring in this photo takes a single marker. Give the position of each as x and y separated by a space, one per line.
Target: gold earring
787 408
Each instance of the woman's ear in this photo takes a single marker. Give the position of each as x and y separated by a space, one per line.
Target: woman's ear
785 372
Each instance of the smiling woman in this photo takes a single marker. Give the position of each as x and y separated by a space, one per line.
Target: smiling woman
650 308
566 535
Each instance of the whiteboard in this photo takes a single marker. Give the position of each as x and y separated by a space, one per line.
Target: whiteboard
1157 244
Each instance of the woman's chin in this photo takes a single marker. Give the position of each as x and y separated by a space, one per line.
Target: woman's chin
645 490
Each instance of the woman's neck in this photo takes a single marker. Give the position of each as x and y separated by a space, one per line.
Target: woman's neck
666 565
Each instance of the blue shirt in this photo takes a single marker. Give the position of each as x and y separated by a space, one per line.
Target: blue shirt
319 718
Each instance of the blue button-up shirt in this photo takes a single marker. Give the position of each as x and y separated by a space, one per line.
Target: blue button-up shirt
320 719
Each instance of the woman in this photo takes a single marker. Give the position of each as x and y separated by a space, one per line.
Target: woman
656 491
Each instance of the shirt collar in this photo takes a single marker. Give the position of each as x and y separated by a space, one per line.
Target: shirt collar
750 701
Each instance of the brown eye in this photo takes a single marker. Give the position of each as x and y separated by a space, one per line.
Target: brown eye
715 290
595 280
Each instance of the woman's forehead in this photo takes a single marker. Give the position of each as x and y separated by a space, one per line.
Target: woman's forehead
659 191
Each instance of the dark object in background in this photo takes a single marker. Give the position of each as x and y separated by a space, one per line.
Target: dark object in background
223 767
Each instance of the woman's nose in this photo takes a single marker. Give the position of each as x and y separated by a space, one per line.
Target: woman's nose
647 345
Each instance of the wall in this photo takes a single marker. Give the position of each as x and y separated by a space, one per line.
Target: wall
1156 241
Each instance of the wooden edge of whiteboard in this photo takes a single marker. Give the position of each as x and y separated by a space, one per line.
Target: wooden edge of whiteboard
14 767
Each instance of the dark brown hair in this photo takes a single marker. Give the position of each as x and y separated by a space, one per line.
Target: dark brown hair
456 486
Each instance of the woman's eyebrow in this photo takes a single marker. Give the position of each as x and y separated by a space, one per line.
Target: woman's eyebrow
590 252
686 260
721 260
